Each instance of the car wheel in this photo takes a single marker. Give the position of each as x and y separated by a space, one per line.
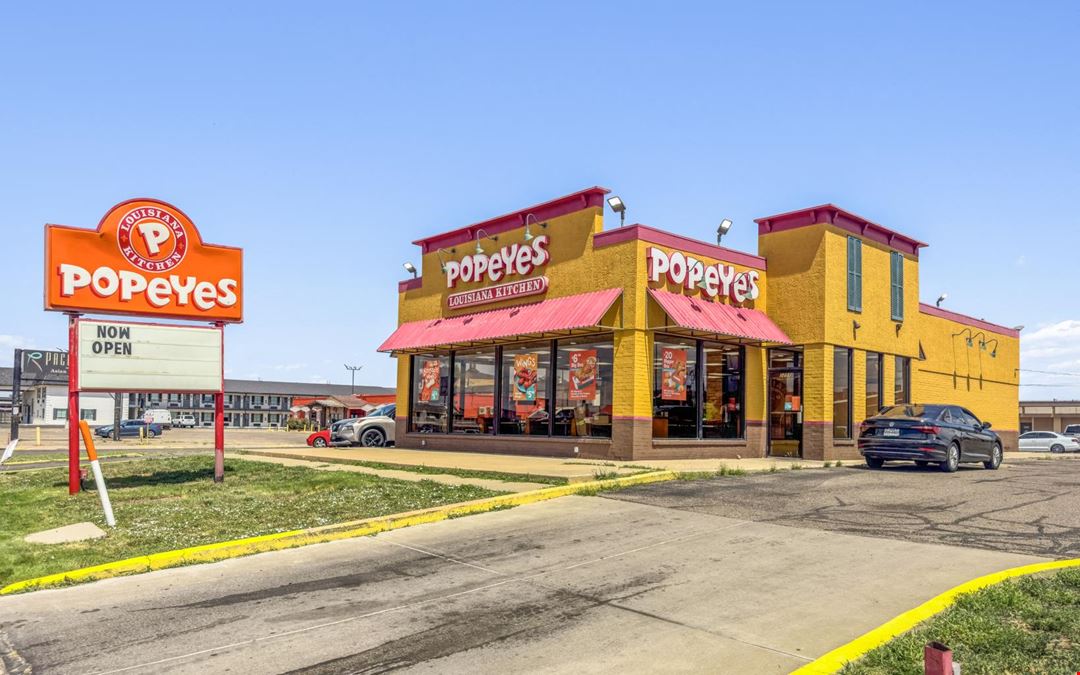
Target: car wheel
952 459
150 433
922 463
995 458
319 442
372 438
1057 449
875 462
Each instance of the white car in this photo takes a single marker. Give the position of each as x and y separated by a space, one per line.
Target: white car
184 421
1052 441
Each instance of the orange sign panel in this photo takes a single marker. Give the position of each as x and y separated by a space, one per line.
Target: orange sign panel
145 258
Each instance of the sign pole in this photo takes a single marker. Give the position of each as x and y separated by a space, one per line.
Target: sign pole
16 396
73 405
219 419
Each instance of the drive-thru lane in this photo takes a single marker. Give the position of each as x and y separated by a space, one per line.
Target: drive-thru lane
577 584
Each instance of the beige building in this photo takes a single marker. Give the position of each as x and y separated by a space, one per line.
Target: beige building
1048 415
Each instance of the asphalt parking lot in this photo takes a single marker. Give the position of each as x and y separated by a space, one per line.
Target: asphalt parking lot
1028 506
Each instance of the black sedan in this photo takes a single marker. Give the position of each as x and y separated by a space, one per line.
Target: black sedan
945 435
131 428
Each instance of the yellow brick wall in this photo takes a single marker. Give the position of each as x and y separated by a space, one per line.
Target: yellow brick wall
968 376
796 281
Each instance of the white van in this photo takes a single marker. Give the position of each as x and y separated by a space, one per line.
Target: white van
159 416
184 421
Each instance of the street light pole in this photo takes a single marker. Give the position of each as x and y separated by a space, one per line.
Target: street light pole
352 372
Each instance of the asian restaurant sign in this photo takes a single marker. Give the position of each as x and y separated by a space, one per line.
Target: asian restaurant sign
714 280
146 258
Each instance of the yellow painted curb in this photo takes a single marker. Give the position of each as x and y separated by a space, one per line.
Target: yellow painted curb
357 528
835 660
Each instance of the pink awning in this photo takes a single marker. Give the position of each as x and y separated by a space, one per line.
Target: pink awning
548 316
714 317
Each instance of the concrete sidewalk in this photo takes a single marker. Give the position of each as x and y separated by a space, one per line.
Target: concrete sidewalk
556 467
398 474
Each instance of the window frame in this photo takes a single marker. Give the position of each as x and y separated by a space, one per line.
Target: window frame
902 374
854 274
896 285
880 372
849 357
552 349
699 384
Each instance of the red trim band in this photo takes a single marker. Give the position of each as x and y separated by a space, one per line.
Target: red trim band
967 320
591 197
679 242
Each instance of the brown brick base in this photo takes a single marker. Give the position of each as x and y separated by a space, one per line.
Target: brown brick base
631 440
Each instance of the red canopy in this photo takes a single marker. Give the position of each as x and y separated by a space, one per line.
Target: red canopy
716 317
547 316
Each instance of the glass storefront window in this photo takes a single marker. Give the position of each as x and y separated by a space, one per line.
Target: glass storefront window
873 383
583 387
841 392
474 392
675 388
722 416
525 377
902 380
430 387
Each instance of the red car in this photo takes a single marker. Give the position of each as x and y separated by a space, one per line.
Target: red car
319 439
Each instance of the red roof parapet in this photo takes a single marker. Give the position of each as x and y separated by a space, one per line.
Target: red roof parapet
577 201
846 220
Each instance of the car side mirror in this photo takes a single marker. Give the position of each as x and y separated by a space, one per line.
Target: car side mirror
985 425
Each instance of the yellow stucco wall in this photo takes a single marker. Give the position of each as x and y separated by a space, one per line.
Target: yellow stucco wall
969 376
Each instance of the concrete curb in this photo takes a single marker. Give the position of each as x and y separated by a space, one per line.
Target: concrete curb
293 538
834 661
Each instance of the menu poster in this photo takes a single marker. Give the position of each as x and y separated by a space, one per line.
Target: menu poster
583 373
525 376
430 375
673 374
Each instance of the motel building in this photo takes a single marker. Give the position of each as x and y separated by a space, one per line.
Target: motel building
541 332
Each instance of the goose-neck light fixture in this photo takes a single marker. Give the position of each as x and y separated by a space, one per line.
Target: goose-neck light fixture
941 299
528 233
479 248
410 268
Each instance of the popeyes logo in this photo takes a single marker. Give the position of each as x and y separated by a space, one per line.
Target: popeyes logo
714 280
152 238
515 259
145 258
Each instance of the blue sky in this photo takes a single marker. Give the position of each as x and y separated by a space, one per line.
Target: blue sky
324 137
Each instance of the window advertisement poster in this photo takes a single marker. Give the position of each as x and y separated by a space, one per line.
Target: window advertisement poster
673 374
525 376
583 372
430 374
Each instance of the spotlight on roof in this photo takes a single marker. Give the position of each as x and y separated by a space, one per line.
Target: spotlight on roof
941 299
725 225
618 206
1018 328
410 268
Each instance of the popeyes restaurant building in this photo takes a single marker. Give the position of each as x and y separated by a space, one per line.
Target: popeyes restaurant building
540 332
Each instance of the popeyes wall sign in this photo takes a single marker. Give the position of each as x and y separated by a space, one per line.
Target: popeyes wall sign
146 258
714 280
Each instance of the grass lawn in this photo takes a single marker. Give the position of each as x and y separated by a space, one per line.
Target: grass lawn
34 457
1027 625
165 504
447 471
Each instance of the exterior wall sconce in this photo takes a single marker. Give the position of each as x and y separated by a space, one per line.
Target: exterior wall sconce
528 233
479 248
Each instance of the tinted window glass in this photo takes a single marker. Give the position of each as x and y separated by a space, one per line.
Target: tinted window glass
525 376
931 411
583 387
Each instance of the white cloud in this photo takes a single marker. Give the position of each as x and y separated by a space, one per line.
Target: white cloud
1050 362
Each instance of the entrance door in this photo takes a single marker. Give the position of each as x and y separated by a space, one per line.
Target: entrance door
785 403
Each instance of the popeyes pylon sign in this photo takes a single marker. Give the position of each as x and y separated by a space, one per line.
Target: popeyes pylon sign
145 258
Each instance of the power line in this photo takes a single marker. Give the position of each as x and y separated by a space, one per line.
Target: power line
1049 372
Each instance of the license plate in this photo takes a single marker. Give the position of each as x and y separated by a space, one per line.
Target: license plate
891 432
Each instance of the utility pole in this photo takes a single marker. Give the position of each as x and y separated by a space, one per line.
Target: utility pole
117 414
352 371
16 395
